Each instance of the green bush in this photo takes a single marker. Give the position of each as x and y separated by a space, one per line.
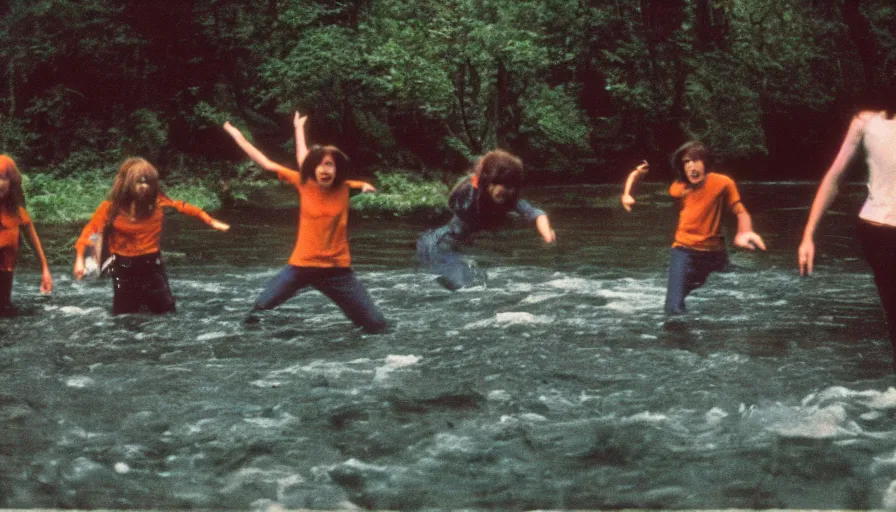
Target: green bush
61 200
403 193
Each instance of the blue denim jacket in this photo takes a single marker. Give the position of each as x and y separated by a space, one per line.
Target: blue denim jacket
464 204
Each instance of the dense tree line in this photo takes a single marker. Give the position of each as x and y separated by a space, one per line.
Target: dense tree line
586 87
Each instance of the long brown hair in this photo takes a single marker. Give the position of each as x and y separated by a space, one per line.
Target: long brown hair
122 194
15 199
500 168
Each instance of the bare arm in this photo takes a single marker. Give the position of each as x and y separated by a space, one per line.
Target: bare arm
301 145
193 211
95 226
827 192
363 185
746 238
256 155
627 199
46 280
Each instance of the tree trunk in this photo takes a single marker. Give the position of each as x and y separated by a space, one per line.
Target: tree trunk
859 29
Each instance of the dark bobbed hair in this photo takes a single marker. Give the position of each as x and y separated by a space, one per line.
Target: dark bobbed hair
122 193
697 151
15 199
498 167
316 154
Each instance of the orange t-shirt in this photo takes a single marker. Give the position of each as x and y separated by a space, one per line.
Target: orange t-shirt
9 237
135 237
701 210
322 240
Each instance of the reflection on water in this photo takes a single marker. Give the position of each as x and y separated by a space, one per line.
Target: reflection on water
559 385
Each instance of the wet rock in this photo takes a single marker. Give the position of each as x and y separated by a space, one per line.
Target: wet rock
429 400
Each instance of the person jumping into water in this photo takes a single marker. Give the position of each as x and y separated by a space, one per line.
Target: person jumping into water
480 201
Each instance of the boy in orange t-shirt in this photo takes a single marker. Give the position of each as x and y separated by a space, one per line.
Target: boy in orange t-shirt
699 247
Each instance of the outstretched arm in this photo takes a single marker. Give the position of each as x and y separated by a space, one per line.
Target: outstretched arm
301 145
627 199
363 185
194 211
46 280
827 191
256 155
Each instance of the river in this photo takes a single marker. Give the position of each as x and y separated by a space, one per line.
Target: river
557 384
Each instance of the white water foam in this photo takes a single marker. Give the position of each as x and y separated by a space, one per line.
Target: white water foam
833 413
80 381
392 363
503 320
76 311
212 336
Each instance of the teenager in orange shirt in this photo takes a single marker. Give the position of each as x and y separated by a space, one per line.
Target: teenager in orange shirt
699 247
320 258
130 221
14 217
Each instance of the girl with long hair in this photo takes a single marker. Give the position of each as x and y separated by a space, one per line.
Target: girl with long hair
130 224
321 256
13 219
480 201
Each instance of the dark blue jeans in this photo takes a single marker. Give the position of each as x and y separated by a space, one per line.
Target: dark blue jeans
436 253
339 284
688 270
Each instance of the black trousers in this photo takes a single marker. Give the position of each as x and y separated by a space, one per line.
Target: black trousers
6 307
140 281
879 245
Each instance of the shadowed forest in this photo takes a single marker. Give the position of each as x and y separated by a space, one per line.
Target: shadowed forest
582 88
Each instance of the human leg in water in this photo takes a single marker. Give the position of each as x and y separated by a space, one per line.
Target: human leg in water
688 270
344 288
879 246
6 307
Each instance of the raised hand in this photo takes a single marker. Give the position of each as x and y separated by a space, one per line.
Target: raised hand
299 120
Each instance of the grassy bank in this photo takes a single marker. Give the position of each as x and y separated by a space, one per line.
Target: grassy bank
53 200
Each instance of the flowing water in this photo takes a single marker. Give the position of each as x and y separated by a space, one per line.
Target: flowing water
557 384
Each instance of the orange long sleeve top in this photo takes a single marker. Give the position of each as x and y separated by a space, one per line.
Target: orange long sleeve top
322 239
701 212
9 237
135 237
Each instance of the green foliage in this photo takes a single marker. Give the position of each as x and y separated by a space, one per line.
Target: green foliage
56 200
51 199
403 193
431 83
